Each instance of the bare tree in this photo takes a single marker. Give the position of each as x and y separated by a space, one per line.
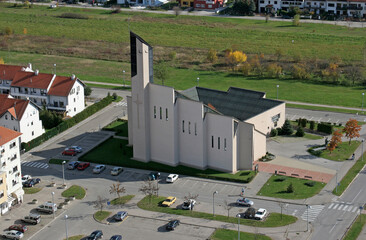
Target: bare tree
177 10
228 206
149 189
116 188
100 203
191 196
354 73
281 204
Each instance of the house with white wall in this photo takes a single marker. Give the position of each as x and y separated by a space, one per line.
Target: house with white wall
199 127
143 2
22 116
7 73
11 191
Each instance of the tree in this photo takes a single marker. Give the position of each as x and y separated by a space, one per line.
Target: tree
354 74
235 58
177 10
299 71
352 129
49 119
149 188
290 188
228 206
8 31
274 70
100 203
296 20
161 72
300 132
116 188
279 54
335 140
243 7
87 91
191 196
287 128
212 55
246 69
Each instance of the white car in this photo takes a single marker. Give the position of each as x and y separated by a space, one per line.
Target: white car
260 214
172 178
26 178
75 148
116 170
99 168
13 234
189 204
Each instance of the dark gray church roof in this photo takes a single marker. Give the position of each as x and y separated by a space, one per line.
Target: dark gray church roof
236 102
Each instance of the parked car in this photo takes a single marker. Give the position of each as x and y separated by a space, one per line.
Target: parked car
32 218
120 216
154 176
189 204
116 171
75 148
98 234
244 202
31 182
99 168
72 165
172 224
169 201
69 152
83 165
19 227
172 178
13 234
116 237
47 207
249 213
26 178
260 214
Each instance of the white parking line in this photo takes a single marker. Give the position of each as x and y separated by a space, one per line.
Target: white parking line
354 210
340 206
345 207
329 120
331 205
349 209
335 206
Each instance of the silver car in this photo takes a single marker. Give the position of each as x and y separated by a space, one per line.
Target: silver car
116 170
99 168
13 234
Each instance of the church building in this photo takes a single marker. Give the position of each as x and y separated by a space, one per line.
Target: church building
198 127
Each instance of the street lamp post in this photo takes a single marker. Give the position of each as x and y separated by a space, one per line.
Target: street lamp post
53 203
67 237
198 81
63 172
337 181
307 217
238 226
362 149
277 90
124 83
362 100
213 200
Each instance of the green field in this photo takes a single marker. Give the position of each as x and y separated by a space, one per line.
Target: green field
356 228
74 191
122 200
276 186
342 152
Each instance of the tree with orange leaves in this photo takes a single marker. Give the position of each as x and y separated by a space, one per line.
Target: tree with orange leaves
336 139
352 129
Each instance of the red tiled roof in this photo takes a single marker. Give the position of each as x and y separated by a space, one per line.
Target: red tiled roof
31 80
6 135
7 72
61 86
15 107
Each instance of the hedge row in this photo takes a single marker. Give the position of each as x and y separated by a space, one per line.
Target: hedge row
87 112
325 128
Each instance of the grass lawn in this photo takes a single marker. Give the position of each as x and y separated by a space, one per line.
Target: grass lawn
115 152
275 187
77 237
74 191
356 228
327 109
350 175
225 234
312 136
101 215
273 220
31 190
57 161
342 152
122 200
119 126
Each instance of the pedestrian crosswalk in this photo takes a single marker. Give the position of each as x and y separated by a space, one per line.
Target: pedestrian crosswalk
343 207
122 103
312 213
36 164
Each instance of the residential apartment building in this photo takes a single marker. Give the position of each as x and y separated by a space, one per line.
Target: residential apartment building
207 4
56 93
22 116
142 2
11 191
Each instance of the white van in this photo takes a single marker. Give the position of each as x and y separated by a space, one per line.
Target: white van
47 207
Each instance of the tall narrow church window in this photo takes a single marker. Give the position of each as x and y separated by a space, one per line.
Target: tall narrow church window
154 111
161 113
195 129
166 114
212 141
218 143
183 125
225 144
189 127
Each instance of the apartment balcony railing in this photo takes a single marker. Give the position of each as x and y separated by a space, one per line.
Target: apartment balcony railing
350 8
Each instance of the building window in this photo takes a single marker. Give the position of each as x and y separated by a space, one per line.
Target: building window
12 118
6 116
154 111
74 99
32 133
2 194
74 109
212 141
32 123
61 104
166 114
195 129
15 169
161 113
225 144
275 2
1 181
218 143
330 4
189 127
183 125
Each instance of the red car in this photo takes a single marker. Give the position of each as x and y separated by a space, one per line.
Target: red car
18 227
69 152
83 165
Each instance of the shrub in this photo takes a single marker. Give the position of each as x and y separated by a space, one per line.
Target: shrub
87 91
300 132
8 31
298 122
212 56
310 184
274 132
280 179
296 21
287 128
73 16
312 125
274 70
303 122
299 71
114 96
246 69
279 131
290 188
325 128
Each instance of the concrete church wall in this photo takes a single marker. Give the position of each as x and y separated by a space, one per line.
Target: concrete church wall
162 130
220 128
245 146
259 145
130 120
191 141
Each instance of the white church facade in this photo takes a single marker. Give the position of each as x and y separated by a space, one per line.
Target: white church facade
199 127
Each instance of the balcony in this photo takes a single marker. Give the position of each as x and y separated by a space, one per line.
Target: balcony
345 8
56 107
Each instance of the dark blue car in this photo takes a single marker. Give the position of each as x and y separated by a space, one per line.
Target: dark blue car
98 234
116 237
31 182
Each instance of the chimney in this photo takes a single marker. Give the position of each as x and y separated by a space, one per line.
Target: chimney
73 77
31 80
36 72
4 73
15 103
